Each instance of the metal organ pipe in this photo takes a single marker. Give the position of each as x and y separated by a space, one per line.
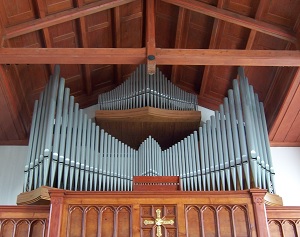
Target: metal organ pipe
67 150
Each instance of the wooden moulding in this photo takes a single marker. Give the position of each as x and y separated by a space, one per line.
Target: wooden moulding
39 196
273 200
167 127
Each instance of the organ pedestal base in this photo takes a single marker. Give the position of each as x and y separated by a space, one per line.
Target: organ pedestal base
150 214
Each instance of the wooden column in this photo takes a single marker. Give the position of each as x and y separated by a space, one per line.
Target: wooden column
260 211
56 210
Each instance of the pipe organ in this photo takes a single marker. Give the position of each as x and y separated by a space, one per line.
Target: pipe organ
230 151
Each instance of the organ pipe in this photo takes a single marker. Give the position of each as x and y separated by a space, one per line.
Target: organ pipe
230 151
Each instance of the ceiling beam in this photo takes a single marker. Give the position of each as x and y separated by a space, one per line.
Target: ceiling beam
225 57
237 19
62 17
228 57
72 55
150 37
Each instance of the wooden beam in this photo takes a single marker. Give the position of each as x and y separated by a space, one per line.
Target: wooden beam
235 18
223 57
228 57
150 37
62 17
72 55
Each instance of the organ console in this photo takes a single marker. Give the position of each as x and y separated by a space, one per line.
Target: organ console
230 151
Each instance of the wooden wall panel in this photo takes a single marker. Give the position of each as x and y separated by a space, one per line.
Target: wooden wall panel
124 221
189 78
270 83
284 221
14 112
28 80
7 127
14 12
219 78
99 34
166 21
216 220
286 132
99 31
131 25
30 40
211 2
284 13
246 7
265 42
277 93
131 31
24 221
232 36
84 220
218 84
197 30
89 1
102 76
54 6
65 36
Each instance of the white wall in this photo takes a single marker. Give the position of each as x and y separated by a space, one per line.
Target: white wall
286 162
12 162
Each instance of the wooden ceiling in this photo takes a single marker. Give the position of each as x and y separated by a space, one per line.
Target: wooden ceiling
197 45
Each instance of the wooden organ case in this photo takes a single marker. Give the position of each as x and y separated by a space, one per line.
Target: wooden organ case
147 167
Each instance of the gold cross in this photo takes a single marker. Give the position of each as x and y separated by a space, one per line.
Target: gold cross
158 222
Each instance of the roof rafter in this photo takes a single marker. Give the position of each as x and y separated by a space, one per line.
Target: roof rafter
62 17
235 18
138 56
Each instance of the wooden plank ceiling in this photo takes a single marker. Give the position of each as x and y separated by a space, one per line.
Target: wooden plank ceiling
197 45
